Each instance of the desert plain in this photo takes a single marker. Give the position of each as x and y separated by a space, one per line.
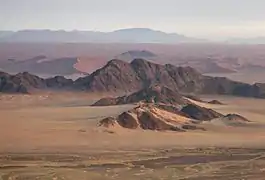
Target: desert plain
56 136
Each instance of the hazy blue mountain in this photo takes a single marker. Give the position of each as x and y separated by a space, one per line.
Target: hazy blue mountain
43 36
133 35
141 35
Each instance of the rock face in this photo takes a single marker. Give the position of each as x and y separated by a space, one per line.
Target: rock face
118 75
152 94
20 83
115 76
221 85
234 120
193 97
26 82
148 120
108 101
215 102
236 117
129 119
163 117
200 113
107 122
152 117
59 82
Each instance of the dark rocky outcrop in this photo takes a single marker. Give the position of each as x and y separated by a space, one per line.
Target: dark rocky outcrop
152 94
107 122
221 85
59 82
233 120
108 101
165 117
170 118
20 83
215 102
233 117
128 120
200 113
152 117
115 76
26 82
119 76
148 121
193 97
29 80
173 109
193 127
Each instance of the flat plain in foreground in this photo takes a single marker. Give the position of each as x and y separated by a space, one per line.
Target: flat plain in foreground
56 136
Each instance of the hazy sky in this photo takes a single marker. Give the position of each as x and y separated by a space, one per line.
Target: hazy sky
214 19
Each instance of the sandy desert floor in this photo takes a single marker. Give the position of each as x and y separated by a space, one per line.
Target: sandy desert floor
55 136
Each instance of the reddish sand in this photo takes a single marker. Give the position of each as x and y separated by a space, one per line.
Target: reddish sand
90 64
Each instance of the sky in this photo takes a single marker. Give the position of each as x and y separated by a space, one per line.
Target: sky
212 19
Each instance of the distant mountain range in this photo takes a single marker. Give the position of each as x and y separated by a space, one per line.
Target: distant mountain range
132 35
120 76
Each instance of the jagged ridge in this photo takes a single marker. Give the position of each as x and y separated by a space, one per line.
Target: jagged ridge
117 75
26 82
152 94
129 77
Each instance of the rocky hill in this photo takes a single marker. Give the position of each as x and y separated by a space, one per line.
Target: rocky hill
165 117
120 76
116 75
59 82
20 83
215 102
152 94
221 85
151 117
26 82
168 117
200 113
231 120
